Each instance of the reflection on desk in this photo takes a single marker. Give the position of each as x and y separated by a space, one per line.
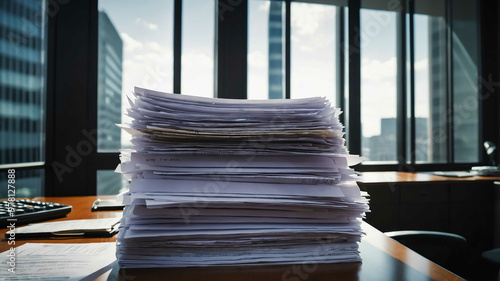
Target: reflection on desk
383 259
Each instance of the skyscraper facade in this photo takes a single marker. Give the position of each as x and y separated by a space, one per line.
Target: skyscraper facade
437 89
110 58
23 58
22 83
276 50
110 52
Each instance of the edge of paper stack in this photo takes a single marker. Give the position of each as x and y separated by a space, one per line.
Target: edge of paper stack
237 182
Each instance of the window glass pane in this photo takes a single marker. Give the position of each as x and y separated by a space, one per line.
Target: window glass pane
110 183
198 34
430 81
313 46
378 85
465 80
266 49
23 56
28 183
408 90
135 49
346 74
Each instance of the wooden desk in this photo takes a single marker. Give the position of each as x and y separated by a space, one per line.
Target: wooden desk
369 178
423 201
383 259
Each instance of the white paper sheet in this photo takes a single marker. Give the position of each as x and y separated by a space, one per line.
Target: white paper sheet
57 261
67 226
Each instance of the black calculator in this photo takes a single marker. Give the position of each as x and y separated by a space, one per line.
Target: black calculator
23 211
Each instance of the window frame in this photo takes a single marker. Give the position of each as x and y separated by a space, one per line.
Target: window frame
72 68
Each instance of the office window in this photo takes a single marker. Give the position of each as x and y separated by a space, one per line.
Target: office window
430 81
198 39
465 81
343 80
418 76
266 49
29 183
441 82
135 48
378 84
23 59
111 183
313 49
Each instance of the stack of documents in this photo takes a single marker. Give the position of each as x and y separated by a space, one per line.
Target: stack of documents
237 182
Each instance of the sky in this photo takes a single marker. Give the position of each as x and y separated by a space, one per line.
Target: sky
146 28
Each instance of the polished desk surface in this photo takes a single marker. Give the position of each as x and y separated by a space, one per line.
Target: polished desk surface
383 258
415 178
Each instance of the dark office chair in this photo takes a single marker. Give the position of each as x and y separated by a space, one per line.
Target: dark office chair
493 259
445 249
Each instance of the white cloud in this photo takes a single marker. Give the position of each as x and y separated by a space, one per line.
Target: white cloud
152 26
130 43
310 78
147 24
307 18
378 101
197 73
422 81
155 46
197 60
306 49
257 59
265 6
318 43
376 71
421 64
378 93
257 86
257 75
138 57
313 27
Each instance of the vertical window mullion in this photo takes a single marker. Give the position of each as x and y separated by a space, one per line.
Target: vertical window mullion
232 49
411 11
340 71
287 47
177 45
449 83
401 87
354 138
480 156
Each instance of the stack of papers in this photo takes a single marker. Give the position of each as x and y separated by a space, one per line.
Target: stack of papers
237 182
